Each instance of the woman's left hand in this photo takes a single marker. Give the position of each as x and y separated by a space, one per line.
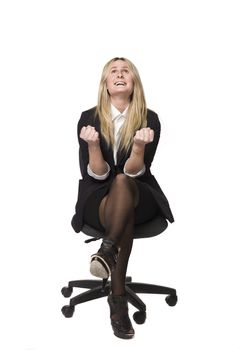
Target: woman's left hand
144 136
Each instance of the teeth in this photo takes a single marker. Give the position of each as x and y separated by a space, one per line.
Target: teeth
120 83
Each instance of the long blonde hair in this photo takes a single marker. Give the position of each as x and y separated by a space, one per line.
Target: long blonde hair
137 110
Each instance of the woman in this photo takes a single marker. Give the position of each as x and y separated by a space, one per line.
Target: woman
118 141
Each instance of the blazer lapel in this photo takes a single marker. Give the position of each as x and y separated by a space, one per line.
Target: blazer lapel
119 156
122 156
107 152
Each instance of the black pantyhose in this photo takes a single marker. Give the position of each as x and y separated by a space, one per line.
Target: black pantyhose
117 216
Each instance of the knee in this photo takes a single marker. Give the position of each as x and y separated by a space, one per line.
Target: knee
122 179
124 184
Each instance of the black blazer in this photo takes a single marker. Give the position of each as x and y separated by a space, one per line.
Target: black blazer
87 185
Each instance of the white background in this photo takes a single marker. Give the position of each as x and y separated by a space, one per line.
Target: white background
188 55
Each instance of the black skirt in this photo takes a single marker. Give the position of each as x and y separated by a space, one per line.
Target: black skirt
146 209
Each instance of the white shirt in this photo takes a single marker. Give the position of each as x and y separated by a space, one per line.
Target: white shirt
118 120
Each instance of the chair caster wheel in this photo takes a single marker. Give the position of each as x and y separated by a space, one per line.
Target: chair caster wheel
67 291
139 317
68 311
171 300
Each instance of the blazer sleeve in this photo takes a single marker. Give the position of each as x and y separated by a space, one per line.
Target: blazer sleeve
150 148
83 148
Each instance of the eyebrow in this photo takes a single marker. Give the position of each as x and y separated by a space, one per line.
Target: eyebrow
121 67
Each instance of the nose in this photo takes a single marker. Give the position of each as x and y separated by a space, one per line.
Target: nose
120 74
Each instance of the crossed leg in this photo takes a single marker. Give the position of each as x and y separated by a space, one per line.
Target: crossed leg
116 214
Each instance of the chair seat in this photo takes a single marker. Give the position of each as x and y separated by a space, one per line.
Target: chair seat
149 229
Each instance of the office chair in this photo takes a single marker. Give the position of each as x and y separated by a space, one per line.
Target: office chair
101 288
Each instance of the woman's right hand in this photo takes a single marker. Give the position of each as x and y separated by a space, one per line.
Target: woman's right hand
90 135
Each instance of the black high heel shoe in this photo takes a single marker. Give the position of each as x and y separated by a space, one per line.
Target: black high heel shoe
120 321
104 261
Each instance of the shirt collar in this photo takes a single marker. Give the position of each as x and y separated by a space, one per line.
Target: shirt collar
115 113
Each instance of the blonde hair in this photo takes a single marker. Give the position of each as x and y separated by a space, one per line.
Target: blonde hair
137 110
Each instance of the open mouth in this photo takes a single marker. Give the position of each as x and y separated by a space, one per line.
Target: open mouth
120 83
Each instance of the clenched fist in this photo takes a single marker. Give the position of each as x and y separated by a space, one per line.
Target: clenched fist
144 136
90 135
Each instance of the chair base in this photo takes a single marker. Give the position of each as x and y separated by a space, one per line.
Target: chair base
101 288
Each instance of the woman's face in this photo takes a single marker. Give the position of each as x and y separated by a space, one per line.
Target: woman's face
119 80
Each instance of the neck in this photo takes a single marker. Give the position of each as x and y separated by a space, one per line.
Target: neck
120 103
